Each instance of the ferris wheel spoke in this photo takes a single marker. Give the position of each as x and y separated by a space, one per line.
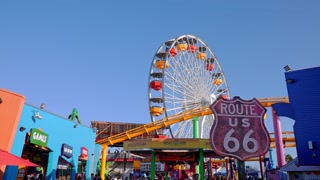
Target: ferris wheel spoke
183 105
182 89
184 129
180 94
185 74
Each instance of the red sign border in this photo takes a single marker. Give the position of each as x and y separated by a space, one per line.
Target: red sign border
254 100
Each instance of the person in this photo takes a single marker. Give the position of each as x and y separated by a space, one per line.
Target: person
92 176
31 177
79 177
159 176
145 177
148 175
97 177
41 176
38 173
184 175
196 176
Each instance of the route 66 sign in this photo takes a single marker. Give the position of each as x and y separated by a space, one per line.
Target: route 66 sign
239 130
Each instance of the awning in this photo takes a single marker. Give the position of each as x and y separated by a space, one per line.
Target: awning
9 159
63 164
294 166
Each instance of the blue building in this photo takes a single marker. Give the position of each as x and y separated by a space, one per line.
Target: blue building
60 146
304 96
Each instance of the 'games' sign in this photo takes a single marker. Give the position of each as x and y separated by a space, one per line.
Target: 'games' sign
38 137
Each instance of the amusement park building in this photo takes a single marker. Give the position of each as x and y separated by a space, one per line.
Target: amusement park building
304 95
60 146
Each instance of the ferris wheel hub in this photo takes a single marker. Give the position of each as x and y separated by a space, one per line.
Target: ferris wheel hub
205 102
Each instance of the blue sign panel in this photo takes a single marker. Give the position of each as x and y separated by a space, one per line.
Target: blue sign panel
66 150
304 95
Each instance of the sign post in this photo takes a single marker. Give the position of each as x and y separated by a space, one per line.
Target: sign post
239 130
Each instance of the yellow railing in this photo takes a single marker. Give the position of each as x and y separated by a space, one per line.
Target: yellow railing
165 122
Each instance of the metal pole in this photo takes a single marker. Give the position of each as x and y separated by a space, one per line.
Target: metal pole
103 161
241 170
270 158
195 122
261 169
210 169
278 138
201 167
153 160
227 169
124 165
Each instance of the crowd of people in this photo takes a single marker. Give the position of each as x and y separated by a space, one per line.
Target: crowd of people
185 176
95 177
146 176
37 174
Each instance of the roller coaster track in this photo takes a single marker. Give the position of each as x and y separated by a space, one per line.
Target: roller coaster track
165 122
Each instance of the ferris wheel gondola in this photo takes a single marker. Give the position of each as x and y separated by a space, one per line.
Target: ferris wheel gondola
185 74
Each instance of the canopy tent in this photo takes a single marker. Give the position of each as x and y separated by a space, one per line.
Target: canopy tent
9 159
293 166
252 172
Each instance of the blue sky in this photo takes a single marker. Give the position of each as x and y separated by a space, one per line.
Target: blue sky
96 55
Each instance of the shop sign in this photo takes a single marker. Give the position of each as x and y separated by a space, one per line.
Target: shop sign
38 137
147 167
66 150
84 152
62 167
156 143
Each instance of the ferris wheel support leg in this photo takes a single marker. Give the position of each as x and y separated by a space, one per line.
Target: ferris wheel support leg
195 123
103 161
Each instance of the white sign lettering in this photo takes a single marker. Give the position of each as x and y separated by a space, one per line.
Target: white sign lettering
245 143
39 137
239 109
67 150
234 122
84 152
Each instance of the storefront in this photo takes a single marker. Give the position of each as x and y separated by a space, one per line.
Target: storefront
61 147
64 167
36 151
82 162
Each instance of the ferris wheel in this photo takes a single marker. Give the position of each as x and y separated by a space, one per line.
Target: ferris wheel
184 75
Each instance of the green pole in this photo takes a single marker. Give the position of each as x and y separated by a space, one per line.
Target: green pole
195 122
201 164
153 173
